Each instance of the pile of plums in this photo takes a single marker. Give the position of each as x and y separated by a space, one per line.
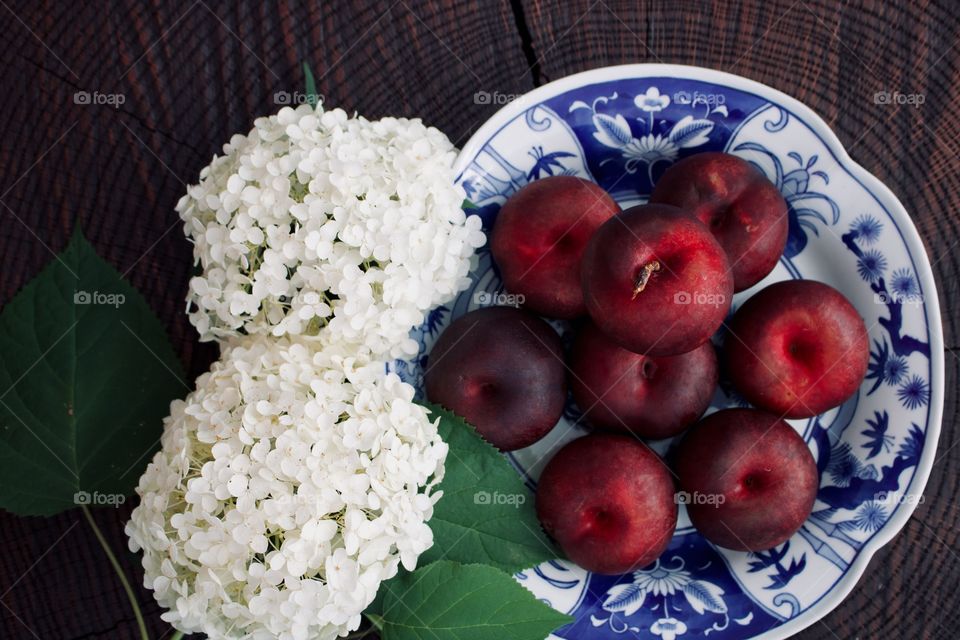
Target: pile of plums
647 288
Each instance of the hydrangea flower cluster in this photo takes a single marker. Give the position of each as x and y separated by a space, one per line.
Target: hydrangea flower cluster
318 221
290 483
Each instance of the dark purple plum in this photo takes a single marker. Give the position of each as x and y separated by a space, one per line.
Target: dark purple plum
750 479
650 396
656 281
798 348
743 209
501 369
539 238
608 501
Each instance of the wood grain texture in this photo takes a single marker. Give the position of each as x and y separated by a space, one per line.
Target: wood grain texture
193 72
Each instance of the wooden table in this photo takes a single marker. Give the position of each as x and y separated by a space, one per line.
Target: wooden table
191 73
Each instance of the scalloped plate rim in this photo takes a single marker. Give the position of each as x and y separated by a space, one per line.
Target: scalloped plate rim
878 189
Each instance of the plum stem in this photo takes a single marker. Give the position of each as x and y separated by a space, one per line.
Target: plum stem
644 276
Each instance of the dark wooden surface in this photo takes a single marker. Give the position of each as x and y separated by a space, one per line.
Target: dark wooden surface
192 73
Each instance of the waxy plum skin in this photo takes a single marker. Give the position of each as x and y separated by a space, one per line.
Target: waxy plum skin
749 478
651 397
539 238
609 502
656 281
741 207
797 349
501 369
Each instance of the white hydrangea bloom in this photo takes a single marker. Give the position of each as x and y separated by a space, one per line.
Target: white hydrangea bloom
316 220
291 482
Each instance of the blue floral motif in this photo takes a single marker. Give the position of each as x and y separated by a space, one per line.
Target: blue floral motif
470 188
914 393
912 446
867 228
871 265
877 367
668 628
653 144
903 284
901 344
548 164
435 318
885 367
895 370
651 101
871 516
774 558
878 440
854 483
663 585
843 466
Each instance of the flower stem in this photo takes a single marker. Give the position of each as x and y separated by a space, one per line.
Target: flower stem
177 635
119 572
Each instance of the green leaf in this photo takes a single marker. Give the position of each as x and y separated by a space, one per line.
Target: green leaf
86 376
310 85
467 204
486 514
450 601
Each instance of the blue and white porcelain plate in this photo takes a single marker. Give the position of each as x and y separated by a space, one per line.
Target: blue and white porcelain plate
622 127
